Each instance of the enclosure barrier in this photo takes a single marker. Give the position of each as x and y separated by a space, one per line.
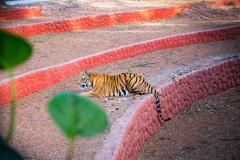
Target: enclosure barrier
39 79
20 13
104 20
92 22
128 135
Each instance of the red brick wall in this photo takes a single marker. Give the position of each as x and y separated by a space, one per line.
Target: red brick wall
97 21
20 13
175 96
92 22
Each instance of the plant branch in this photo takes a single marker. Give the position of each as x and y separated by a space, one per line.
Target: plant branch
71 149
12 113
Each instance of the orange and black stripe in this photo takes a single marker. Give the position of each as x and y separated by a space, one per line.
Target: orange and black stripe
121 85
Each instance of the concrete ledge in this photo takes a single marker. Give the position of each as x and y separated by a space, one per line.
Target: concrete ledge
97 21
104 20
20 13
128 135
39 79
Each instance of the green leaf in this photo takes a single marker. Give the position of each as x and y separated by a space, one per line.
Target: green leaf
14 50
77 115
6 152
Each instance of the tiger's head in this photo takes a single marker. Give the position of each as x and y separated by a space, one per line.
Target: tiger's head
85 80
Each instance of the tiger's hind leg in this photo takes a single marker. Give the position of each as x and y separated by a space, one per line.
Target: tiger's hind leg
138 85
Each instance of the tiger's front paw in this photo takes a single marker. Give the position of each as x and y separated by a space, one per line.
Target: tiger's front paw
89 94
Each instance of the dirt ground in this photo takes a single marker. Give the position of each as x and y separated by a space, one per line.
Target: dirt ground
35 130
208 130
37 137
71 45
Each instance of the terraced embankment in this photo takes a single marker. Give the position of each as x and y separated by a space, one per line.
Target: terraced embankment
35 130
58 10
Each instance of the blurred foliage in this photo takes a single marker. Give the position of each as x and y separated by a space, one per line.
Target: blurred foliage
15 50
77 115
8 153
74 114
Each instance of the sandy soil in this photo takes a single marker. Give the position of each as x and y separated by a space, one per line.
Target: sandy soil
35 130
36 135
208 130
71 45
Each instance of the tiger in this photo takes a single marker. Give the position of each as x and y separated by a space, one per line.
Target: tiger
123 84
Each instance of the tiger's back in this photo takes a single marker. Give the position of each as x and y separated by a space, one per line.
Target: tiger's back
137 84
119 85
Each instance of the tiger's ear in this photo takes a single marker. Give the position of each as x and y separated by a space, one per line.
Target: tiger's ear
86 72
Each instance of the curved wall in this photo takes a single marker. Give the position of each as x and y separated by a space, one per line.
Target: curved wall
128 135
39 79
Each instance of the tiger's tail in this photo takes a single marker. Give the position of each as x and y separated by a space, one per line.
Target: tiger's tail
160 117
